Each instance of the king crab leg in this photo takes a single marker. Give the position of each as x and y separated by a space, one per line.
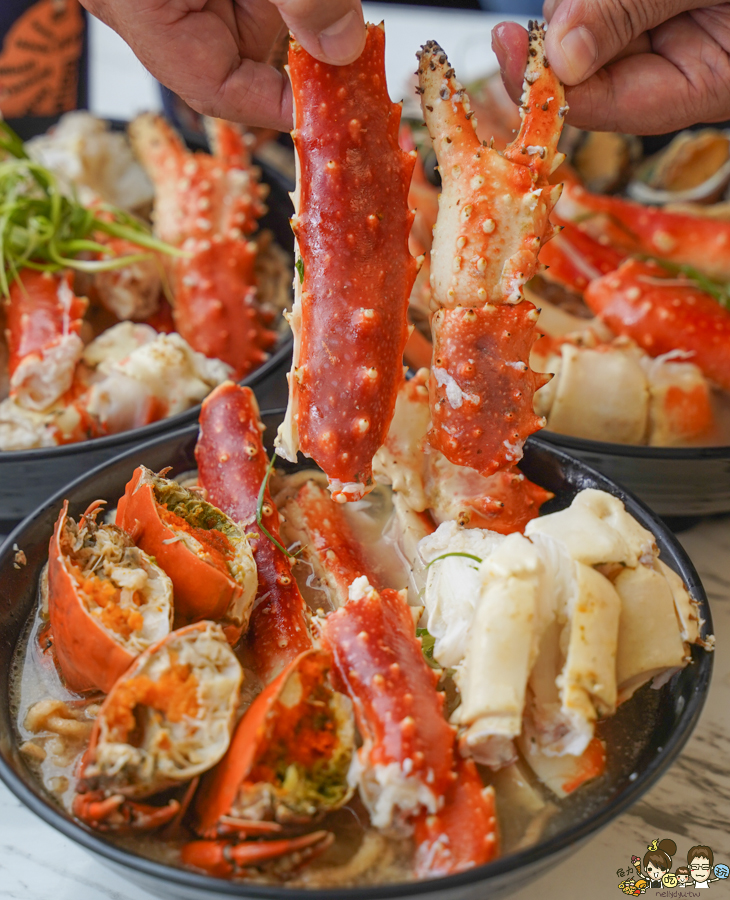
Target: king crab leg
493 218
355 273
232 466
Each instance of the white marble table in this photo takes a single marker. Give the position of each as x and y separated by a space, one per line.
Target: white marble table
690 804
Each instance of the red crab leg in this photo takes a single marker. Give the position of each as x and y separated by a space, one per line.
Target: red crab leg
662 314
463 833
697 241
223 858
117 813
399 712
480 382
493 218
351 224
216 310
232 466
328 541
573 258
43 324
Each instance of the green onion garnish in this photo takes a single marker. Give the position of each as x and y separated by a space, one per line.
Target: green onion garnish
445 555
259 512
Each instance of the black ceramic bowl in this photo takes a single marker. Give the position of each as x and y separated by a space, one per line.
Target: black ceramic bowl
28 477
676 482
644 737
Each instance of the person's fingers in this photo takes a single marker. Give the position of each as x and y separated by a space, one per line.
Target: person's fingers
549 7
649 93
586 34
333 31
510 44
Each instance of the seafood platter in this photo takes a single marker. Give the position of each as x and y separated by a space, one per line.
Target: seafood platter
400 666
633 299
115 329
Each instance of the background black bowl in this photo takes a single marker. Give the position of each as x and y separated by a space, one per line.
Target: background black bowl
28 477
645 735
676 482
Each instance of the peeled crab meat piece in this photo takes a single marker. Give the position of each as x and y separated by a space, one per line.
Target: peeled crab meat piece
179 697
601 395
686 607
132 291
680 401
564 774
650 644
596 530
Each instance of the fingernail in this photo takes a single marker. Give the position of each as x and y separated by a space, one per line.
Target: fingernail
580 52
343 42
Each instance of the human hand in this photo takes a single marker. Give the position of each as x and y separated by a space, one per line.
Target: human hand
213 53
631 65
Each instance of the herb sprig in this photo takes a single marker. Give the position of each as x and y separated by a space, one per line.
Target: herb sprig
44 228
260 511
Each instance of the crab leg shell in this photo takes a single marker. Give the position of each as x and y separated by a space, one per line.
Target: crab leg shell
204 588
698 241
87 653
573 258
408 751
216 310
43 318
167 719
328 540
232 466
118 814
664 317
285 710
462 834
351 224
481 384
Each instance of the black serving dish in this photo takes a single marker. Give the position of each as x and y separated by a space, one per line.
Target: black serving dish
657 723
28 477
676 482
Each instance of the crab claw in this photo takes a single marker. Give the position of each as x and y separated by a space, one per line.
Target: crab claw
463 833
223 858
117 813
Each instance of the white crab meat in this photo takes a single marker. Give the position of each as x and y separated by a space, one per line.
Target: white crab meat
597 530
680 406
133 291
600 395
650 644
157 379
116 343
26 429
83 151
41 378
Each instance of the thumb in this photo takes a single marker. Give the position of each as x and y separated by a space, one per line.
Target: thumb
333 31
586 34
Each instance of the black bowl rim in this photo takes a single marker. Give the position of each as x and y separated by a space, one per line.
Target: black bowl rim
284 344
606 448
90 841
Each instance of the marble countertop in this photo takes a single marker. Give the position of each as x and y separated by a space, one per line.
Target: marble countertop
691 803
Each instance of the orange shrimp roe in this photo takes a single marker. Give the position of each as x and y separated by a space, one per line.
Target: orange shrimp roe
105 594
174 694
215 543
304 734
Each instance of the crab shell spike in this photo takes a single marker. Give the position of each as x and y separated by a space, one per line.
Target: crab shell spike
228 142
352 223
223 858
203 589
543 98
481 385
463 833
662 318
220 789
216 309
232 466
87 654
398 710
329 543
